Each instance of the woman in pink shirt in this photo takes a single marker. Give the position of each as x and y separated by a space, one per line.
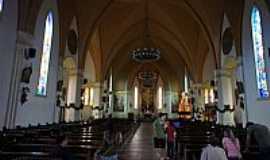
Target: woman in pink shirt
231 145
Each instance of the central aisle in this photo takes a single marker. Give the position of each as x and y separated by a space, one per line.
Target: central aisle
141 146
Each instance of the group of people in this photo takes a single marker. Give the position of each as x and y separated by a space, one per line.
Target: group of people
231 149
164 131
228 148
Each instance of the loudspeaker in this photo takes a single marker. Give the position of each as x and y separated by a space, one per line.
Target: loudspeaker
85 81
60 85
216 94
212 83
103 99
240 87
30 53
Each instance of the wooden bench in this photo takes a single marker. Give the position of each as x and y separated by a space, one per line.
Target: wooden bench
39 142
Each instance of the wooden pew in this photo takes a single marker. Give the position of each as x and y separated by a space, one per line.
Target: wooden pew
38 142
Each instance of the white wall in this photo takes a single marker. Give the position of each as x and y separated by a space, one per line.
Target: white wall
209 67
8 30
89 68
258 109
42 109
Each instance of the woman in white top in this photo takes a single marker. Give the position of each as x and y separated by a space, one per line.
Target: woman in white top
213 152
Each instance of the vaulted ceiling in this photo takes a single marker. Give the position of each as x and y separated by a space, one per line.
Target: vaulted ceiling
184 30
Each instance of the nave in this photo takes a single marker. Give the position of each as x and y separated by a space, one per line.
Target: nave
68 67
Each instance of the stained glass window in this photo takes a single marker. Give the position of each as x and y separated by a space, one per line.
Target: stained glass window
186 83
160 100
45 57
1 5
91 97
258 49
136 97
206 96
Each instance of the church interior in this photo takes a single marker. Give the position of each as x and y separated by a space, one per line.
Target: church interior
103 76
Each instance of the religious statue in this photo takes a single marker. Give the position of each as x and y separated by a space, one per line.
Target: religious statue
185 106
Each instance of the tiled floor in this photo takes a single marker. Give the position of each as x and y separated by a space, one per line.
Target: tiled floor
141 146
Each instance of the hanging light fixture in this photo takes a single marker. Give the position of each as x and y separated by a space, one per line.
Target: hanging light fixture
146 54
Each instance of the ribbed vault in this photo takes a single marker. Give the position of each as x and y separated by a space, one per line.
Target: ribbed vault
186 31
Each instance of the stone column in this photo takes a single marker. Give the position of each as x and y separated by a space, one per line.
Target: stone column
225 96
74 95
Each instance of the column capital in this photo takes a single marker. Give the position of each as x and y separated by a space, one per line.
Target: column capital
223 73
94 84
231 62
75 72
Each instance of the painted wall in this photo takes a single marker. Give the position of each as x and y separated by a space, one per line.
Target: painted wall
42 109
258 109
8 31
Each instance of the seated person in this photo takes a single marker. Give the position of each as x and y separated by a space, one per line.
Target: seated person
262 136
60 151
213 152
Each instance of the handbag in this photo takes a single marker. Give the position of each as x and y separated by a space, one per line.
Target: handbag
159 142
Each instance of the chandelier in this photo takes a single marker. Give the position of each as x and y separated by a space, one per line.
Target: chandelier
146 54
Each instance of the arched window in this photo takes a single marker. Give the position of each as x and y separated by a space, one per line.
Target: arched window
136 97
186 83
45 57
1 5
160 97
258 49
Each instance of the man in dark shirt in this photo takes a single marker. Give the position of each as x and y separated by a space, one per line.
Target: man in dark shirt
262 136
60 151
